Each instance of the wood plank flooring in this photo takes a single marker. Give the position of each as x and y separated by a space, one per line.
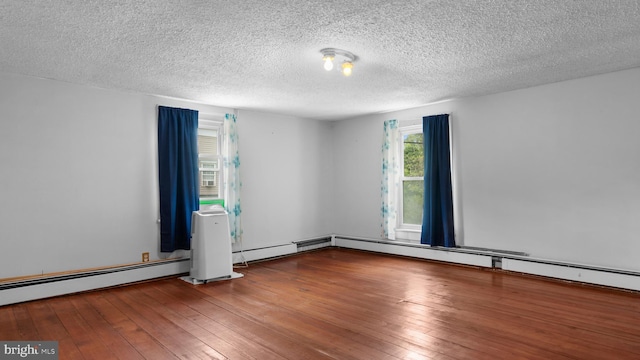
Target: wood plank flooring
338 304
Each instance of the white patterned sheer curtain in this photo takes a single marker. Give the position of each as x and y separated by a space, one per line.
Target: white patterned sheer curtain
231 176
390 178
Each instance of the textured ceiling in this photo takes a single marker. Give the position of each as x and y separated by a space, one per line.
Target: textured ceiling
264 54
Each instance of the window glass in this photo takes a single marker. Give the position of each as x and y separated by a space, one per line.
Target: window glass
413 178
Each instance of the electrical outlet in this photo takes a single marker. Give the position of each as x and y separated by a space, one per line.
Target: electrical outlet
145 257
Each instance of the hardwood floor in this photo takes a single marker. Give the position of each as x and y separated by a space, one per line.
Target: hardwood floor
339 304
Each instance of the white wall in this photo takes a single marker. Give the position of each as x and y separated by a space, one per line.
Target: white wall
551 170
358 166
78 175
287 169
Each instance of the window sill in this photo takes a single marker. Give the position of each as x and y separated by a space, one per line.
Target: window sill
408 235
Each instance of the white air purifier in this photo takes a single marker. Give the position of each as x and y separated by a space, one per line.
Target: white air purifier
211 257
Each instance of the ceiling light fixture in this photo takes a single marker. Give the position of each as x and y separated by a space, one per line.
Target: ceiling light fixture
328 61
347 68
330 54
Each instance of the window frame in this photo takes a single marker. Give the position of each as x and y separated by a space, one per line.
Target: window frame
215 125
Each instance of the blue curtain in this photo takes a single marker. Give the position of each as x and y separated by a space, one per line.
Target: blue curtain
437 217
178 175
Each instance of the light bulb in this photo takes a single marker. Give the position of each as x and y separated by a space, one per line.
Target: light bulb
347 67
328 62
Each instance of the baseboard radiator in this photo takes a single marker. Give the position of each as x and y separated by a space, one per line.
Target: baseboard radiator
500 259
275 251
452 255
43 287
618 278
263 253
49 286
313 244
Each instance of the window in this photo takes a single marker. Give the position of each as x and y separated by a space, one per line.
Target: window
209 162
412 177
